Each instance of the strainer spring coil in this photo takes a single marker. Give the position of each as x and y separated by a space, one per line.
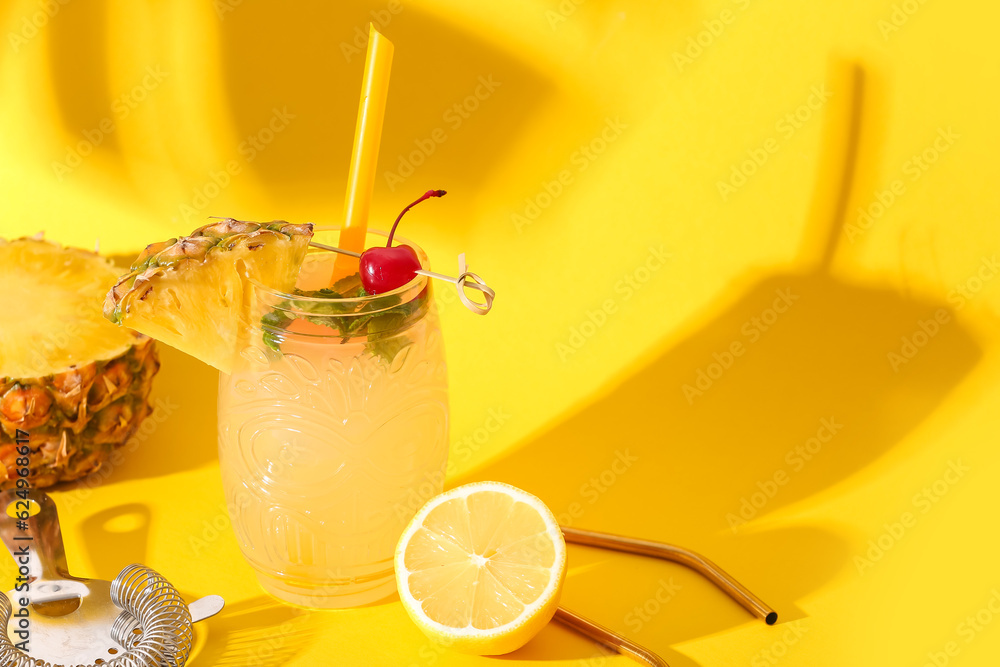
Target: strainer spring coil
149 604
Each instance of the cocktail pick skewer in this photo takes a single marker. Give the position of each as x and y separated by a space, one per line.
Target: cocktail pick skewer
465 279
695 561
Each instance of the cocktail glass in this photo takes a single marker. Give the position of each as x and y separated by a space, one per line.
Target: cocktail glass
333 431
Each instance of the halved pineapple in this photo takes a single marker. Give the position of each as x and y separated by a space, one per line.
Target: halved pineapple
188 292
76 384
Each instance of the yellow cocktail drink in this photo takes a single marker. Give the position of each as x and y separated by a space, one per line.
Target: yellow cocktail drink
333 426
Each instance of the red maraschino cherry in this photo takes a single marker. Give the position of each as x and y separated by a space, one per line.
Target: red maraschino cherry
385 269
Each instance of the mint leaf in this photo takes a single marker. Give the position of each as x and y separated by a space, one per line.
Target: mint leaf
272 340
381 328
349 287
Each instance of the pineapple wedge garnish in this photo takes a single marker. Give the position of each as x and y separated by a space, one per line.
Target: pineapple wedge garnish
189 292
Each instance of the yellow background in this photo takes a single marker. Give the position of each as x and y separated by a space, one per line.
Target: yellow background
568 72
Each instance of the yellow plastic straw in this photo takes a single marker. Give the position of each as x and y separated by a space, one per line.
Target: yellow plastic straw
364 156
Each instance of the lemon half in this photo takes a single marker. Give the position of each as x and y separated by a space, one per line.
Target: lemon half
480 568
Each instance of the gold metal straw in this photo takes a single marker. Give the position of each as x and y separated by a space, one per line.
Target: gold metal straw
602 635
695 561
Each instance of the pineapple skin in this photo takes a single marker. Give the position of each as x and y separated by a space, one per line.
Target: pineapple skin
76 418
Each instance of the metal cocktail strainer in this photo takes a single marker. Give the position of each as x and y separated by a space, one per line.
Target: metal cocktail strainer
138 620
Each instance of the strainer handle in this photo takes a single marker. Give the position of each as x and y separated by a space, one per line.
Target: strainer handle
42 538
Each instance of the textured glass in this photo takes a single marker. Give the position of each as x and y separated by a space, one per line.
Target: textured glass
328 447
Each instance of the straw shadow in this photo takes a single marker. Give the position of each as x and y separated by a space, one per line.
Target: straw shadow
791 381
